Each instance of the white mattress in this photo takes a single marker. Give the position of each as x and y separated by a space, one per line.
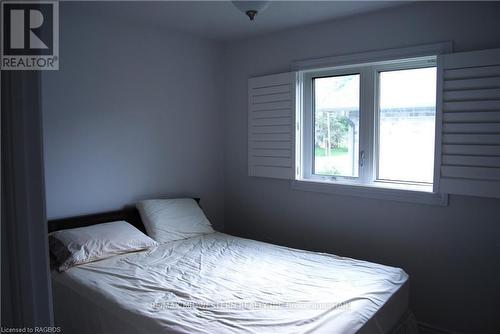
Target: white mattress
223 284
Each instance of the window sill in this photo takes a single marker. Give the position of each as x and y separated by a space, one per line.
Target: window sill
377 192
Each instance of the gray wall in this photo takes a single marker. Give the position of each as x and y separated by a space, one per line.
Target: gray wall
132 113
136 112
450 252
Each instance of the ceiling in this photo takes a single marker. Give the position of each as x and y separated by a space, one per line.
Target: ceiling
220 20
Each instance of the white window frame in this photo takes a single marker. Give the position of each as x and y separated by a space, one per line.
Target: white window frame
424 62
366 185
307 124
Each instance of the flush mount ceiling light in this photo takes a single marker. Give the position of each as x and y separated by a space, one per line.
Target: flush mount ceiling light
251 8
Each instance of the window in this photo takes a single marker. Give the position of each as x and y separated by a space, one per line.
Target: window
369 129
336 125
369 125
406 125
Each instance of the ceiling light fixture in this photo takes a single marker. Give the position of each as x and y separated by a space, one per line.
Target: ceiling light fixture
251 8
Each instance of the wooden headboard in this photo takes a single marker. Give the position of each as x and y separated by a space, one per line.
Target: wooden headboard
129 214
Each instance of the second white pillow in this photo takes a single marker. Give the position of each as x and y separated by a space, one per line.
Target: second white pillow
173 219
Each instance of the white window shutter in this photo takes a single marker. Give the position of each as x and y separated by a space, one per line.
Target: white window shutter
271 125
470 134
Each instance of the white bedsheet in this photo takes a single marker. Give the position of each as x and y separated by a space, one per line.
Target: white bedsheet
219 284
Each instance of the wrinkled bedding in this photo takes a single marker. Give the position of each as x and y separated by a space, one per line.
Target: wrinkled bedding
217 283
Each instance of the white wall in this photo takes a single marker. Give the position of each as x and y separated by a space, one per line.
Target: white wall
132 113
450 252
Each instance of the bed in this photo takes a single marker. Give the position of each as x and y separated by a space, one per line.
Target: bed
218 283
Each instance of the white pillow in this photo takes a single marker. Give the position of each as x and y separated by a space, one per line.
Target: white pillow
173 219
91 243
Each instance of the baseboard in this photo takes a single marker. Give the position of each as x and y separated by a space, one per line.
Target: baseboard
424 328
